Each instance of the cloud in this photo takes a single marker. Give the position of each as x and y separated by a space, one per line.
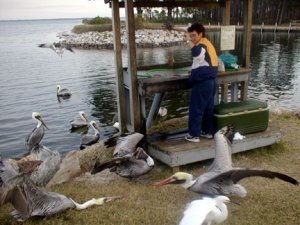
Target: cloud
47 9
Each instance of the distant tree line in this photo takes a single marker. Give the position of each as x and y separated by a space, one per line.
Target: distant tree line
267 11
97 20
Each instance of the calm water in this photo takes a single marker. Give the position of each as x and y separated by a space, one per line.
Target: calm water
29 76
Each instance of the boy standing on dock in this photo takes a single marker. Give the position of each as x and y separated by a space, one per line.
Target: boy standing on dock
203 82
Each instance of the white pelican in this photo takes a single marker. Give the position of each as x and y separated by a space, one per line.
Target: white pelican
30 200
80 122
63 92
206 211
58 48
34 138
89 139
221 178
130 166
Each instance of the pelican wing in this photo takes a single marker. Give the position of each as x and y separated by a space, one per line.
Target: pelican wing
9 179
133 168
64 91
89 139
69 48
30 200
50 165
238 174
222 183
78 122
47 45
34 138
223 139
98 167
127 144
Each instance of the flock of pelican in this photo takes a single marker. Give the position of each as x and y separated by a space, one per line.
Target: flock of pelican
20 187
21 180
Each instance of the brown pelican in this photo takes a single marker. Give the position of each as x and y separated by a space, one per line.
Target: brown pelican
130 166
89 139
80 122
30 200
221 178
34 138
63 92
206 211
58 48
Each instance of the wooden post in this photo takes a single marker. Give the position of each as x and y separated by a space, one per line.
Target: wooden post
225 21
226 13
118 65
132 67
248 6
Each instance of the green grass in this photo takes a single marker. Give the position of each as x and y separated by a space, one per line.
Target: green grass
83 28
268 202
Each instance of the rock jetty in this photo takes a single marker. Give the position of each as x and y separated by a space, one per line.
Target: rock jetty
144 39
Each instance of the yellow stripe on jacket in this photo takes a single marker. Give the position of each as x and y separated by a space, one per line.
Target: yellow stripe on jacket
210 50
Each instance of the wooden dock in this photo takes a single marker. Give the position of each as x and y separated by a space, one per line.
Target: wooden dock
175 151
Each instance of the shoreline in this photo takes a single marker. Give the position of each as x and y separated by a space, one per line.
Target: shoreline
146 38
151 38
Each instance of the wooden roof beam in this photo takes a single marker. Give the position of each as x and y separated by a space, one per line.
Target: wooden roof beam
183 4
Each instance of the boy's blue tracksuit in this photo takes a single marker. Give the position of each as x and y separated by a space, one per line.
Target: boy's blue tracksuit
204 85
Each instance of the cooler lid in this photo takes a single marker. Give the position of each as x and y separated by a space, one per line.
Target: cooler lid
234 107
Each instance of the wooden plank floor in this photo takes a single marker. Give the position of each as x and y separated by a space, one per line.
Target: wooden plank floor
175 151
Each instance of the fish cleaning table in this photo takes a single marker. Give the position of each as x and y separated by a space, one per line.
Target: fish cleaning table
158 79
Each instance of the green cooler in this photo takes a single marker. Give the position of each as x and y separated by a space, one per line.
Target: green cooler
247 117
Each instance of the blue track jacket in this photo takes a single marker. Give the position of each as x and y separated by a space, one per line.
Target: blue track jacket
205 61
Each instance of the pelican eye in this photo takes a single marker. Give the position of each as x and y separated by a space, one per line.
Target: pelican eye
178 181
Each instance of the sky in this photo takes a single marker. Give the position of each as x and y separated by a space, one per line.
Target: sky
50 9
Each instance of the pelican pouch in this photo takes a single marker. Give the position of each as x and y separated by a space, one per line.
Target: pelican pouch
247 117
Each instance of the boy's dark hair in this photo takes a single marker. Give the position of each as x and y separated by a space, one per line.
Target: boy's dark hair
199 28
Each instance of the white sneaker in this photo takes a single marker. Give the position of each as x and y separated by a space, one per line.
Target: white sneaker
191 138
205 135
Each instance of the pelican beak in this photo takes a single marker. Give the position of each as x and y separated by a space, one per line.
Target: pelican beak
169 180
109 199
96 126
234 202
85 118
43 123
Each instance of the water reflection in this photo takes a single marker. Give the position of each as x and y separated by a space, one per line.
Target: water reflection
275 63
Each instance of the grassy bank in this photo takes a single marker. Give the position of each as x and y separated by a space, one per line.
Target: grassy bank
268 201
83 28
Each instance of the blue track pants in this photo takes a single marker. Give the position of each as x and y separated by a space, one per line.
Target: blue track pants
201 108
